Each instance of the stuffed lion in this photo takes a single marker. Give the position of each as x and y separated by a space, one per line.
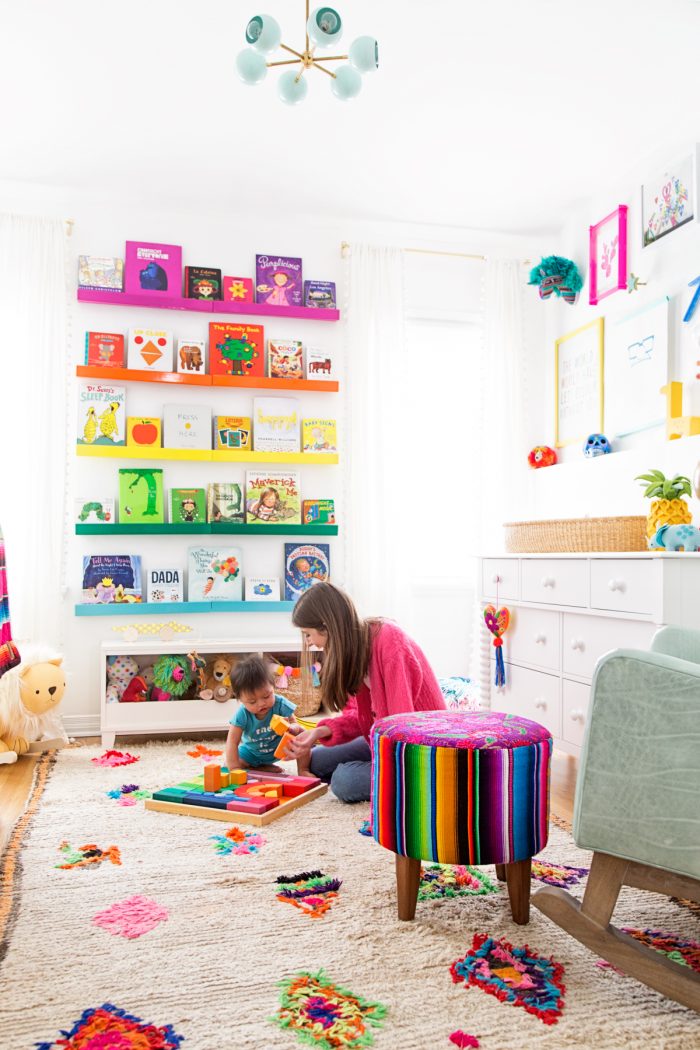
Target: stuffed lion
29 696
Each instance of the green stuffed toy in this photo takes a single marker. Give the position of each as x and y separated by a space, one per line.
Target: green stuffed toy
558 275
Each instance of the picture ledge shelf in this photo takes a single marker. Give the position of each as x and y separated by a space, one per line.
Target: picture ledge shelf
154 302
320 459
209 528
179 608
135 375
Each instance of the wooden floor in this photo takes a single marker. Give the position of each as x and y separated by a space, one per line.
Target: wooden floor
16 780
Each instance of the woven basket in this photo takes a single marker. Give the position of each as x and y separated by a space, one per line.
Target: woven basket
309 705
573 535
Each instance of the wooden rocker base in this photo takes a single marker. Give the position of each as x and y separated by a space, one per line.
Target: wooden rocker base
589 922
516 875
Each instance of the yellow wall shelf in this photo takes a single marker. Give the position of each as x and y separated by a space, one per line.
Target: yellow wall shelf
319 459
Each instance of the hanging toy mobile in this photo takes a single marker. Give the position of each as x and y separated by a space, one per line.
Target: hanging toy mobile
497 622
555 274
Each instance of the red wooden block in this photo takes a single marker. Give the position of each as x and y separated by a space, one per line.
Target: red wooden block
253 805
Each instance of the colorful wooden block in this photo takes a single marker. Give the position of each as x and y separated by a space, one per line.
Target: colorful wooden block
279 725
210 801
212 777
252 805
238 776
281 749
170 794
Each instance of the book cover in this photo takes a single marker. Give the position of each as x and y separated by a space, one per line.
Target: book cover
153 269
262 589
109 578
276 424
191 356
225 502
233 432
284 359
150 349
236 349
214 574
272 497
318 512
318 435
144 432
94 510
304 565
104 349
165 583
319 364
188 505
186 426
319 295
141 495
278 280
238 289
202 282
101 414
101 272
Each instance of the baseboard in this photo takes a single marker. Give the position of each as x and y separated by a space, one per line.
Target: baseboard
81 725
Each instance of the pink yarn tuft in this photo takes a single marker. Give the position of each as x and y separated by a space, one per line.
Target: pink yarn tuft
131 917
115 758
463 1039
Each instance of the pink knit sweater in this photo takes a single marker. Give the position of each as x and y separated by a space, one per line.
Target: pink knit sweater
400 680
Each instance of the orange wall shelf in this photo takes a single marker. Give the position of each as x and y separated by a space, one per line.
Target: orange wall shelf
134 375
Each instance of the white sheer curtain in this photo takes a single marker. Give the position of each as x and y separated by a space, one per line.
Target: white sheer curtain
33 357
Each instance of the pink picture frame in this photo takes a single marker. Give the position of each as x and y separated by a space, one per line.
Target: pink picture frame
608 255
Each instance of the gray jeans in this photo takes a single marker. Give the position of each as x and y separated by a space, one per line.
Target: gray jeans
346 767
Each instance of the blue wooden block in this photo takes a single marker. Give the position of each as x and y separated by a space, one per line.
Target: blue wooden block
207 799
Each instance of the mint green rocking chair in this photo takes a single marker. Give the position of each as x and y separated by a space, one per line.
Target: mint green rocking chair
638 803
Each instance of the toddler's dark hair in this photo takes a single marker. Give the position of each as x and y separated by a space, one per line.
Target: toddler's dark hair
251 674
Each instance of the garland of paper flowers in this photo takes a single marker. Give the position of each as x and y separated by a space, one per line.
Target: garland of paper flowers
283 674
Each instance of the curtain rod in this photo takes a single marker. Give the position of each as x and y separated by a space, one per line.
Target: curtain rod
345 248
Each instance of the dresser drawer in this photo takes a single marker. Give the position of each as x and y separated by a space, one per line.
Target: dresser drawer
532 694
501 573
626 585
574 711
555 582
586 638
533 637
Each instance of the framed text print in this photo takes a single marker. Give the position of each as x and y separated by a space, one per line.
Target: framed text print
578 377
669 200
608 255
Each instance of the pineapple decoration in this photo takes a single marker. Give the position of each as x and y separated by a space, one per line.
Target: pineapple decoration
668 506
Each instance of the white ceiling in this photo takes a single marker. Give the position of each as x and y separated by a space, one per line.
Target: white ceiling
489 115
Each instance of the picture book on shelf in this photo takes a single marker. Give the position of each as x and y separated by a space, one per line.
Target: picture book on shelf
150 349
238 289
278 280
232 432
109 578
272 497
101 414
143 432
202 282
276 424
318 512
104 350
214 574
318 435
105 274
94 510
319 295
186 426
262 589
191 356
304 565
188 506
284 359
165 583
236 349
141 495
153 269
319 364
225 502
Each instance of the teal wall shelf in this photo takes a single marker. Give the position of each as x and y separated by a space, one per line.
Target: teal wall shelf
179 608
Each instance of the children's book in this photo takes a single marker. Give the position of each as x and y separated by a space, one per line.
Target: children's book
318 435
262 589
186 426
165 583
319 295
318 512
191 356
276 424
304 565
284 359
104 350
278 280
101 414
225 502
150 349
202 282
214 574
144 432
189 506
238 289
319 364
233 432
109 578
100 272
272 497
93 510
153 269
236 349
141 495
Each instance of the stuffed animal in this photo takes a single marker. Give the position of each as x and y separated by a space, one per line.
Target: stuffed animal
559 276
218 683
172 677
120 671
29 696
136 691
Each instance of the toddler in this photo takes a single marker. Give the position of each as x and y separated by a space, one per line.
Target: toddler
251 742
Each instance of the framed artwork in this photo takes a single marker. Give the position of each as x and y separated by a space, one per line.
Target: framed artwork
578 378
608 255
669 201
636 367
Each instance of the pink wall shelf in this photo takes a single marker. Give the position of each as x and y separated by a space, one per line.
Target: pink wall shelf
151 301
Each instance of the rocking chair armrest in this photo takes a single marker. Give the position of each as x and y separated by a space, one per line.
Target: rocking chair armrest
677 641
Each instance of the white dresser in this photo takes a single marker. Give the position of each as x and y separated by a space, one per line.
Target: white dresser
566 611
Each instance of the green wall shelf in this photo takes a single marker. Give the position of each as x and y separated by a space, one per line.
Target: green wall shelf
217 527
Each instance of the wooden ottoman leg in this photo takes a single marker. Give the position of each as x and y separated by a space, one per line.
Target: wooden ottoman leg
407 883
518 877
501 872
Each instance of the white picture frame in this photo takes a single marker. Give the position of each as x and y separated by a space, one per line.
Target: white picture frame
636 367
578 379
671 198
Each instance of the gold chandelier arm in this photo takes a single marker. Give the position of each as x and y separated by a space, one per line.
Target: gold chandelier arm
291 51
327 71
306 24
287 62
330 58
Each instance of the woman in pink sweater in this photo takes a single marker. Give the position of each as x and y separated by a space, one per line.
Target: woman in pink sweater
371 669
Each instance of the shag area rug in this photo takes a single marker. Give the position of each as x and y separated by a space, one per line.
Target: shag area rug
124 928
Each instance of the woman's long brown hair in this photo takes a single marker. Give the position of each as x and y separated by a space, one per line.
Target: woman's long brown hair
348 650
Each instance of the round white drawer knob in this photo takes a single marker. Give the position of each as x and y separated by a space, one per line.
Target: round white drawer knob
540 639
547 581
496 578
578 716
578 643
540 704
616 585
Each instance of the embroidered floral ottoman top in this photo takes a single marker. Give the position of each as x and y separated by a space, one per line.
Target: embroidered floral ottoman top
471 730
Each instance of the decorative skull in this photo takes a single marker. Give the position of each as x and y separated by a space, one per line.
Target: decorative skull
596 445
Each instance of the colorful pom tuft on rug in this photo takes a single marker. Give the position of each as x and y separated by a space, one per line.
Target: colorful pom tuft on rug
365 828
132 917
678 949
128 794
453 880
310 891
109 1028
115 758
514 975
557 874
87 856
462 1039
201 751
238 841
326 1015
